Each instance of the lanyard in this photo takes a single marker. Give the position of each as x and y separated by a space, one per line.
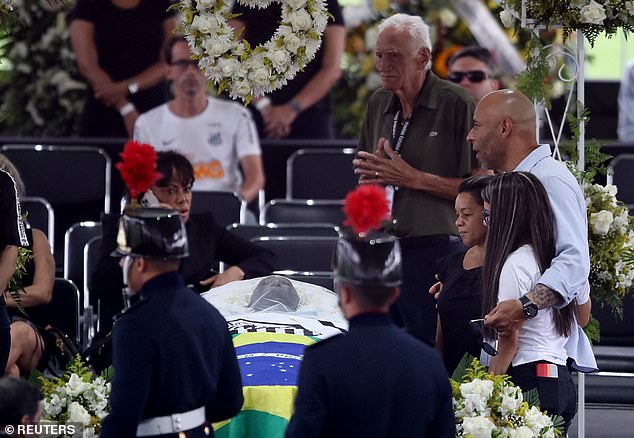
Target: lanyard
398 142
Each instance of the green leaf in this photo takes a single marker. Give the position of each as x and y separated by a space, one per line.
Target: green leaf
531 397
461 369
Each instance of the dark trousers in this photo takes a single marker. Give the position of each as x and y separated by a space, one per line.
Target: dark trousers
415 308
558 395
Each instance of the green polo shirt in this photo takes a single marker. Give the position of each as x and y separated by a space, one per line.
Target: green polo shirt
435 142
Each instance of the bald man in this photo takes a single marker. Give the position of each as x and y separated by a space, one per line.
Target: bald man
503 138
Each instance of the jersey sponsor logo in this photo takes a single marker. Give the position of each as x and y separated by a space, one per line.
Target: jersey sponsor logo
215 139
209 170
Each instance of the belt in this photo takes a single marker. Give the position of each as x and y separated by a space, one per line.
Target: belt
172 423
421 241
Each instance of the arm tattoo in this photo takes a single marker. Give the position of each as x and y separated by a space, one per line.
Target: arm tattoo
544 297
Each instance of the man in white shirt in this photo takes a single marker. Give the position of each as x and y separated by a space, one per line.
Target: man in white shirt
216 135
626 104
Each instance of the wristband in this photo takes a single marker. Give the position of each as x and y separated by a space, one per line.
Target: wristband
127 109
295 105
262 103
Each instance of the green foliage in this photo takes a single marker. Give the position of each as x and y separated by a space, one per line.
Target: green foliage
15 287
593 330
533 80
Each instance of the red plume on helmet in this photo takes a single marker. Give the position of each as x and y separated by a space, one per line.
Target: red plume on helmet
366 208
138 168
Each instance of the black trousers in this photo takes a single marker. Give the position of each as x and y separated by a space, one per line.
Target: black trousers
415 309
556 395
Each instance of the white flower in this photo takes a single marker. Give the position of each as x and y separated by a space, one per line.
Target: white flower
205 23
537 420
507 18
521 432
511 399
601 222
204 4
228 66
447 17
478 387
300 20
261 76
280 58
215 47
77 414
76 386
592 13
241 88
296 4
629 6
611 189
477 427
293 42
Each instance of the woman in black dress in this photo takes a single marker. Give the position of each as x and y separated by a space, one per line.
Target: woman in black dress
12 235
460 299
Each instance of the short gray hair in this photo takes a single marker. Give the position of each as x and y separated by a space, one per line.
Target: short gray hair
415 27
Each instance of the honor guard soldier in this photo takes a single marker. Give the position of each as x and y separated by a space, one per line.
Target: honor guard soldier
175 368
377 380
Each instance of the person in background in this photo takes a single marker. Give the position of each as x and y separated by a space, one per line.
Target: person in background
12 235
118 48
19 404
474 69
209 244
28 343
302 108
503 137
217 136
626 104
460 301
413 142
176 369
377 380
520 247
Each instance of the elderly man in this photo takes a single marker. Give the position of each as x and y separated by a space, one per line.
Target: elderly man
376 381
503 137
176 368
217 136
413 142
474 70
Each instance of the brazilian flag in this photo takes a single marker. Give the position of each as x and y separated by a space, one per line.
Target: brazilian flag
269 365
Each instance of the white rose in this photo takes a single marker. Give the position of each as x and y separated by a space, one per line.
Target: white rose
228 66
241 88
601 222
296 4
592 13
478 387
611 189
507 18
477 427
77 414
260 76
280 58
76 385
292 43
300 20
204 23
521 432
214 47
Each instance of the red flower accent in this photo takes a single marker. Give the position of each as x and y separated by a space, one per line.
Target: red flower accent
138 167
366 207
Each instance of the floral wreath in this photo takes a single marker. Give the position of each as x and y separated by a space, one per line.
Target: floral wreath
234 65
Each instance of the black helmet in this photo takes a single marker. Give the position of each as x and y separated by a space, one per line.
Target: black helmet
153 233
371 260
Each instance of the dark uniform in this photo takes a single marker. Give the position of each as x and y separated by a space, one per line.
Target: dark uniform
376 381
172 353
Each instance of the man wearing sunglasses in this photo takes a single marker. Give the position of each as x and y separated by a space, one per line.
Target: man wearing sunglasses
217 136
474 69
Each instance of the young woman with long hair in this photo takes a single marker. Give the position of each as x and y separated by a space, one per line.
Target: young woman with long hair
520 246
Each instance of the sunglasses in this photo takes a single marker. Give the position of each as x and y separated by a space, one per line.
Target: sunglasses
474 76
182 64
486 216
486 347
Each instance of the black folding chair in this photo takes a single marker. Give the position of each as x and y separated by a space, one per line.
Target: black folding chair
283 211
63 310
621 174
307 169
249 232
76 237
226 207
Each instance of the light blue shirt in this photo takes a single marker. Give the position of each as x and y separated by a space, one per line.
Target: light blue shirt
626 104
571 266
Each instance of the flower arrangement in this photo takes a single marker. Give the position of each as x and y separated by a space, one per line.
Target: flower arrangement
611 241
491 406
590 16
42 93
234 65
138 168
76 397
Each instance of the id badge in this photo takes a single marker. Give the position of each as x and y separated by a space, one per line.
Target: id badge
389 195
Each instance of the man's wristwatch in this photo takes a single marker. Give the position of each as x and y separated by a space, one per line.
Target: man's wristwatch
133 87
528 307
